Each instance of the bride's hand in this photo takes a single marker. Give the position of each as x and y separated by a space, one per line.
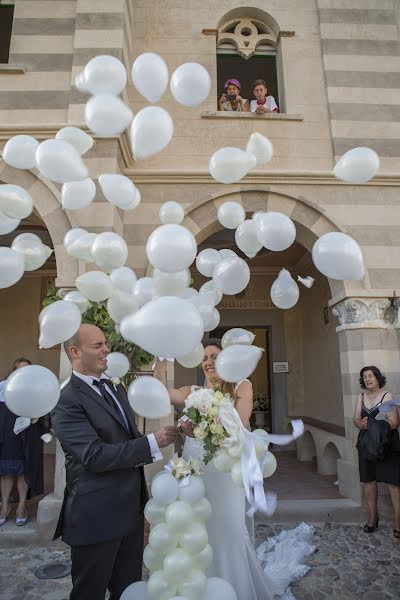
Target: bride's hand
187 428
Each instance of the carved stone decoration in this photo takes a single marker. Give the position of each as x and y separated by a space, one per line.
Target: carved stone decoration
396 311
245 35
359 313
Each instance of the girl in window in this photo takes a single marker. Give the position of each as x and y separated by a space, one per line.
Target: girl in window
231 99
262 103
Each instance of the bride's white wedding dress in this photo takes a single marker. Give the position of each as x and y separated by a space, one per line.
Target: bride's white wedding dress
262 576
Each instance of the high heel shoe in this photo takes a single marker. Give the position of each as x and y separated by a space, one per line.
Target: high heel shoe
4 519
20 521
371 528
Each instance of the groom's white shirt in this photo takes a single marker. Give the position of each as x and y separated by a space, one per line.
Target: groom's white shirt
156 453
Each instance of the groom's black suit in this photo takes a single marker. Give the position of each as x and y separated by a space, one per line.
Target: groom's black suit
102 513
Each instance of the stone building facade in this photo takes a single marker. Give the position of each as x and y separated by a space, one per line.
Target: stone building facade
338 74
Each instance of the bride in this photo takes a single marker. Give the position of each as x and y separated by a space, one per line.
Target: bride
230 533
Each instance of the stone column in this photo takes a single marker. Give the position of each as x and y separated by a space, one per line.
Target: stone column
366 337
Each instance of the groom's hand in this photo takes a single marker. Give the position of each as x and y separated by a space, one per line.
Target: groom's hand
165 436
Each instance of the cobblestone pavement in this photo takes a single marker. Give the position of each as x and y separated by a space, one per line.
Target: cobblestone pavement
348 565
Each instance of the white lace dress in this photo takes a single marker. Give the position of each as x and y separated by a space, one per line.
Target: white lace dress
262 576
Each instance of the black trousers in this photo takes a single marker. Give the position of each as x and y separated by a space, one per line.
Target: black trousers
111 565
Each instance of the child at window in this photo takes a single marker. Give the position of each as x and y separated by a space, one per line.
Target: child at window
262 103
231 99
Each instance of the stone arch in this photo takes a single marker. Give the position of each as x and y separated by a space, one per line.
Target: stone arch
310 219
327 463
46 201
306 448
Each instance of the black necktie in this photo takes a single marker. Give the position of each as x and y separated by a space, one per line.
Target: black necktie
102 384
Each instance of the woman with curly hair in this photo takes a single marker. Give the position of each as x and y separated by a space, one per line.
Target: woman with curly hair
373 382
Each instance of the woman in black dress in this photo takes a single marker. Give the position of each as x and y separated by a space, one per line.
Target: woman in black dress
21 457
372 382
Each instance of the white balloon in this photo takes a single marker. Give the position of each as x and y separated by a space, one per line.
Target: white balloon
269 465
151 131
117 365
171 248
170 284
82 247
237 362
284 290
158 586
194 538
202 510
105 74
223 461
231 275
109 250
121 304
15 202
77 298
80 140
123 279
193 492
58 322
72 235
228 165
164 488
338 256
358 165
35 253
213 322
192 359
177 565
12 267
162 538
95 285
120 191
144 290
107 115
179 514
204 559
219 588
149 398
246 238
8 224
136 591
237 335
207 260
32 391
205 307
190 84
261 147
194 585
78 194
227 253
167 326
189 293
258 214
153 561
231 215
171 212
150 76
19 152
154 512
60 162
208 288
275 231
80 83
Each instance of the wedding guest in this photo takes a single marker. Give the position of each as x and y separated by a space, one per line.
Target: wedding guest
21 457
102 514
372 382
231 100
262 103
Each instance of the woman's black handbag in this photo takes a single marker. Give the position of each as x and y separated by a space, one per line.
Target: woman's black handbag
373 443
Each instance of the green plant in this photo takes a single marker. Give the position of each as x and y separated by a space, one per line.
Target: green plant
97 314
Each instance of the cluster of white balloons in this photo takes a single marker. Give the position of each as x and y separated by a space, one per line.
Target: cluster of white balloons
229 165
178 552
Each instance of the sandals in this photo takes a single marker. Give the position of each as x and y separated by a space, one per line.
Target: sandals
371 528
20 521
4 519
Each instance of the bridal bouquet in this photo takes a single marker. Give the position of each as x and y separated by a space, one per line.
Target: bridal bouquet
203 407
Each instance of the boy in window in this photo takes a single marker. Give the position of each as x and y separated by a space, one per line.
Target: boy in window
231 99
262 103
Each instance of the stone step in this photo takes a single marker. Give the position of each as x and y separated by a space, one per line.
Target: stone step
315 511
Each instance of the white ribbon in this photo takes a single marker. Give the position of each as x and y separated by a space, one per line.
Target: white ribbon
253 481
170 467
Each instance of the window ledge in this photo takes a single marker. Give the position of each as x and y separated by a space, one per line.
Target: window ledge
11 69
218 114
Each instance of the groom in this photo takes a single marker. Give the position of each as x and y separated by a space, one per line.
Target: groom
102 513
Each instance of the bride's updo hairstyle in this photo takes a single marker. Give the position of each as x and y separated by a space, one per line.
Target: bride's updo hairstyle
226 387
